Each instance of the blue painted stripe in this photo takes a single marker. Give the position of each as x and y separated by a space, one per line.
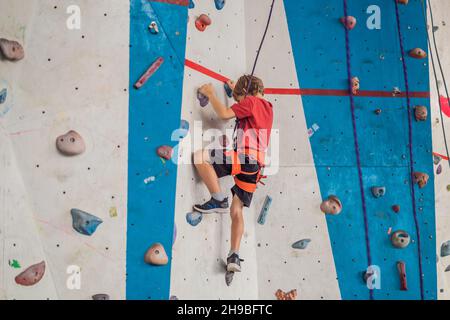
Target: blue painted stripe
154 114
318 41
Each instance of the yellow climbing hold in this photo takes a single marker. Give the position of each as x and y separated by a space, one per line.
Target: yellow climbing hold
113 212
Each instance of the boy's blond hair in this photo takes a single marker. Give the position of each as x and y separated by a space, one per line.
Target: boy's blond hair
256 86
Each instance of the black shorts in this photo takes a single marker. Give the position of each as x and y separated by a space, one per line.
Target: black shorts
223 164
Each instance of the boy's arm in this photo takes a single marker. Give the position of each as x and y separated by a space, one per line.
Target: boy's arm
222 111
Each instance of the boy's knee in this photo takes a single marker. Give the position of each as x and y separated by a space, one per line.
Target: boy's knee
236 212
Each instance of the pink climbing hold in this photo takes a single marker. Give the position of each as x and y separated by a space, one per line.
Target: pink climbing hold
165 152
11 50
417 53
70 144
445 105
349 22
355 85
150 71
421 113
31 275
202 22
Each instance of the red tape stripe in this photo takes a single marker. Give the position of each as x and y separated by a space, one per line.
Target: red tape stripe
440 156
308 92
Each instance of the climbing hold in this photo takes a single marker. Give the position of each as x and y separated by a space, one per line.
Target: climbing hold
113 212
400 239
191 4
439 169
421 179
165 152
31 275
184 129
173 298
301 244
219 4
100 296
70 144
153 27
84 222
417 53
3 95
445 249
448 187
378 112
229 277
447 269
396 208
331 206
150 71
265 210
396 91
228 90
436 160
202 99
349 22
11 50
202 22
401 267
355 85
156 255
421 113
378 191
14 263
403 1
194 218
281 295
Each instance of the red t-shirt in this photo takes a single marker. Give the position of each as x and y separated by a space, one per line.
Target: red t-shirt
255 117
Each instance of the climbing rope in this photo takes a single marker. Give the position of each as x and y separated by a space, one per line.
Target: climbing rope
254 67
410 145
355 136
434 69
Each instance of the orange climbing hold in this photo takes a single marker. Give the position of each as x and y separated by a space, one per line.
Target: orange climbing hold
402 1
281 295
355 85
401 267
417 53
156 255
349 22
202 22
421 179
421 113
331 206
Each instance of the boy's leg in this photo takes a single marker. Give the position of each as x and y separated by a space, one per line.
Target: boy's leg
237 230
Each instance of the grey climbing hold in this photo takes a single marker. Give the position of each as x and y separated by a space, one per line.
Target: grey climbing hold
194 218
11 50
265 210
31 275
447 269
156 255
70 144
3 94
400 239
203 100
219 4
378 192
228 90
439 169
100 296
83 222
229 277
445 249
301 244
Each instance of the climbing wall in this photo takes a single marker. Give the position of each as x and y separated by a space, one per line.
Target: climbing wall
82 77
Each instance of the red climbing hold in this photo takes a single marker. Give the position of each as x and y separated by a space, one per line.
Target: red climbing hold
445 105
150 71
349 22
417 53
421 179
355 85
202 22
401 267
421 113
396 208
11 50
281 295
156 255
31 275
402 1
165 152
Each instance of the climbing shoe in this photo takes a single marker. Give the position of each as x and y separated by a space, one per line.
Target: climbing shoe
213 205
234 263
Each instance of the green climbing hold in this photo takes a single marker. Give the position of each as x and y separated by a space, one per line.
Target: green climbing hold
14 263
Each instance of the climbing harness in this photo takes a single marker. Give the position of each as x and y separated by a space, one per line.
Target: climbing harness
355 136
258 155
434 69
410 145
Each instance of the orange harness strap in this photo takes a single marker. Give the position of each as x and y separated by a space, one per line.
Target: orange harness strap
237 169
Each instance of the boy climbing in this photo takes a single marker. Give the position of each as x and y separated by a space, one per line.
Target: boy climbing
254 119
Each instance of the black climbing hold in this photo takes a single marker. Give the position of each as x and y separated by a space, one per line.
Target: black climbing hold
3 94
445 249
378 112
228 90
378 191
229 277
400 239
301 244
83 222
100 296
202 99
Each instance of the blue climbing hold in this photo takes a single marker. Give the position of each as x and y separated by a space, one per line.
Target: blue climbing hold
378 191
219 4
445 249
228 90
202 99
184 128
265 210
84 222
191 4
194 218
301 244
3 95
